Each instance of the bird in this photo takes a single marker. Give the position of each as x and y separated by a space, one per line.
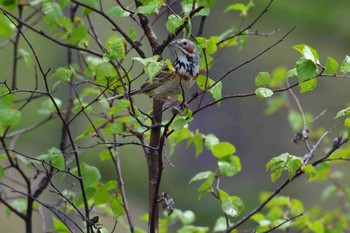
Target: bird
168 84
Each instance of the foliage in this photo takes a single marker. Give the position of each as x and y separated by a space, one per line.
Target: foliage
91 119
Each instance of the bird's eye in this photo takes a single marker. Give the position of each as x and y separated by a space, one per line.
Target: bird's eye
185 43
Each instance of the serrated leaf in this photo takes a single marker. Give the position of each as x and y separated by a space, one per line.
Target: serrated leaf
262 79
308 85
174 21
291 73
59 226
90 174
223 149
56 158
306 69
79 36
151 8
197 140
345 65
6 28
220 225
52 11
229 165
240 7
331 66
310 171
132 34
204 83
116 127
9 117
92 3
116 206
151 65
231 205
116 12
263 92
210 141
307 52
343 112
9 5
63 73
179 123
201 176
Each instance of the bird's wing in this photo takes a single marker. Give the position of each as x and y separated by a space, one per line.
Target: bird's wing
157 81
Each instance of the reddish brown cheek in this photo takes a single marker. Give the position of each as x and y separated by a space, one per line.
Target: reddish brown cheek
190 49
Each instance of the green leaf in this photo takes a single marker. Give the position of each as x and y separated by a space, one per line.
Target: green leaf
64 73
343 112
220 225
308 85
295 120
208 44
331 66
197 140
231 205
151 8
204 83
292 72
115 49
116 207
317 227
57 158
9 117
151 65
229 165
210 141
306 69
193 229
174 21
307 52
9 5
310 171
116 12
179 123
79 36
263 92
223 149
47 107
278 77
345 65
92 3
52 11
66 24
240 7
101 196
116 127
59 226
105 72
2 172
6 28
90 174
187 217
132 34
201 176
262 79
283 162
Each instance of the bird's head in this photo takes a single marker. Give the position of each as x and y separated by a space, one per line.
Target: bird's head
184 48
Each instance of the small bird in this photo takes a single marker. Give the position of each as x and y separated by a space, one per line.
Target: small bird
168 84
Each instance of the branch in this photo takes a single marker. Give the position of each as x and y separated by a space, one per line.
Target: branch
249 26
7 13
117 28
283 185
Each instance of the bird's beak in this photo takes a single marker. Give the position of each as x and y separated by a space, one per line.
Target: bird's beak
173 44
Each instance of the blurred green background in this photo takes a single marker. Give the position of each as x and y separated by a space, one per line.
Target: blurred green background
322 24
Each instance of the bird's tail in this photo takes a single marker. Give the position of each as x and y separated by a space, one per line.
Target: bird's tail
125 95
